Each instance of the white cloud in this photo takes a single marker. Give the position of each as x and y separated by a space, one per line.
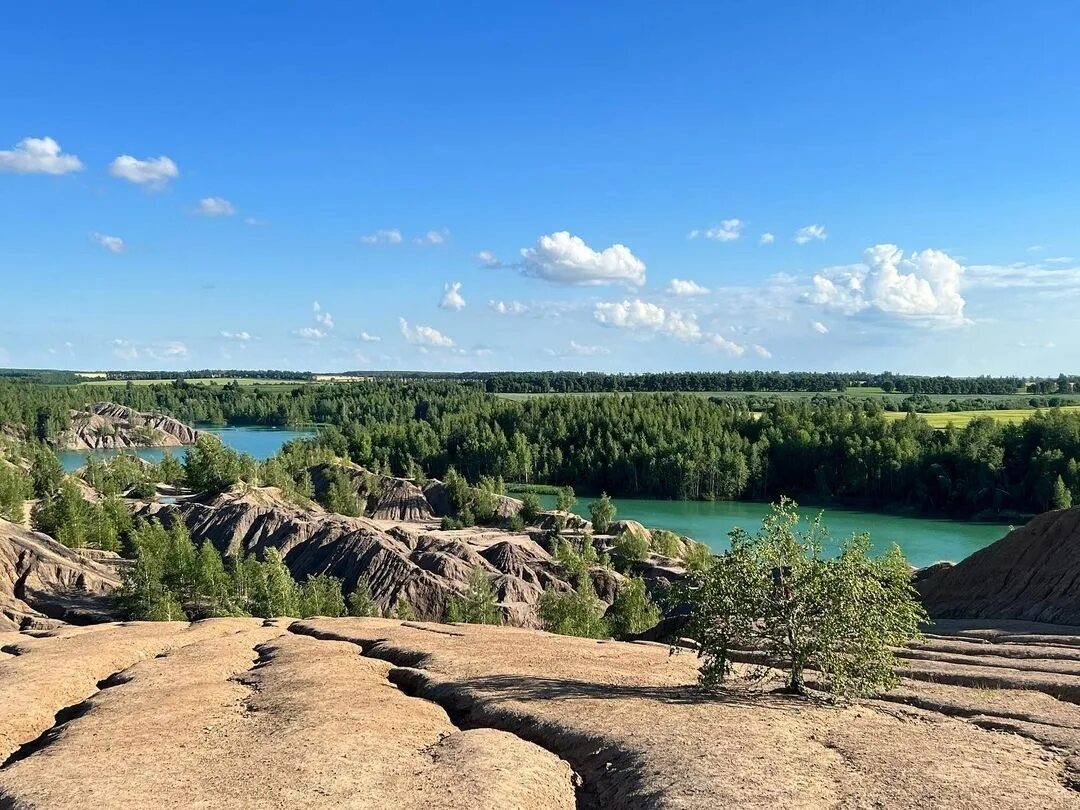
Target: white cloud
433 237
820 328
566 259
647 317
579 350
254 221
686 287
488 259
922 287
391 236
215 207
761 351
508 307
451 297
766 239
809 233
722 344
311 333
1060 260
325 318
153 172
113 244
38 156
169 350
239 337
727 231
367 337
424 335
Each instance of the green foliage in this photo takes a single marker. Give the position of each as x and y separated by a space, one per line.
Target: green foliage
1060 496
170 470
565 499
632 611
697 556
478 605
775 590
15 488
574 613
577 569
602 512
403 609
321 595
339 494
75 522
666 543
361 602
46 472
211 466
530 508
630 547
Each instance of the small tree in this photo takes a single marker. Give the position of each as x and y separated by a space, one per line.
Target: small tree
15 488
602 512
321 595
361 602
574 613
565 499
776 590
478 605
630 547
403 609
1060 496
530 508
632 611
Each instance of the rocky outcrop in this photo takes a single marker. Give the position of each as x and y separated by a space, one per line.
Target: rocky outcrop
108 426
43 583
415 561
384 497
1032 574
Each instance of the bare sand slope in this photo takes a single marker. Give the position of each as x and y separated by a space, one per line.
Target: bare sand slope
373 713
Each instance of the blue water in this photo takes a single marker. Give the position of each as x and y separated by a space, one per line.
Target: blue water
923 540
260 442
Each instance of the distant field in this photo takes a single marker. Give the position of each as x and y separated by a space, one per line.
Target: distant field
961 418
867 392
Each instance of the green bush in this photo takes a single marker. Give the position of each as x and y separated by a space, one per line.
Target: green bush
574 613
632 611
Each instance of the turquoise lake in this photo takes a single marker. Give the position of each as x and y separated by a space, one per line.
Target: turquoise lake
256 440
923 540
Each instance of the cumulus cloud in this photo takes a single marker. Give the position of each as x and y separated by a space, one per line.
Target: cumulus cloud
321 316
169 350
686 287
391 236
215 207
487 259
766 239
761 351
727 231
809 233
38 156
311 333
239 337
367 337
451 297
113 244
424 336
433 237
923 287
576 349
508 307
722 344
647 317
820 328
566 259
152 172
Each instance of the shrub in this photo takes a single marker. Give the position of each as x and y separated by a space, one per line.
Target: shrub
630 547
602 512
15 488
530 508
632 611
574 613
478 605
361 602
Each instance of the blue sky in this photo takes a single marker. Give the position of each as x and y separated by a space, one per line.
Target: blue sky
615 186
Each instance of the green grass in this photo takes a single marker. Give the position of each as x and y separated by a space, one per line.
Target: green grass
961 418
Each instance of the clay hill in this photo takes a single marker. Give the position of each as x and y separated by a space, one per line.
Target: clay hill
1032 574
43 583
375 713
400 558
106 425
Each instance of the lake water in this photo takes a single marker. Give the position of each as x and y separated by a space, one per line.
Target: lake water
923 540
256 440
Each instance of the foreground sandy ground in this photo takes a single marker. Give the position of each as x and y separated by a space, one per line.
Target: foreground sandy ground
238 713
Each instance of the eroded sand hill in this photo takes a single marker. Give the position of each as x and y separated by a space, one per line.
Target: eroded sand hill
233 713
